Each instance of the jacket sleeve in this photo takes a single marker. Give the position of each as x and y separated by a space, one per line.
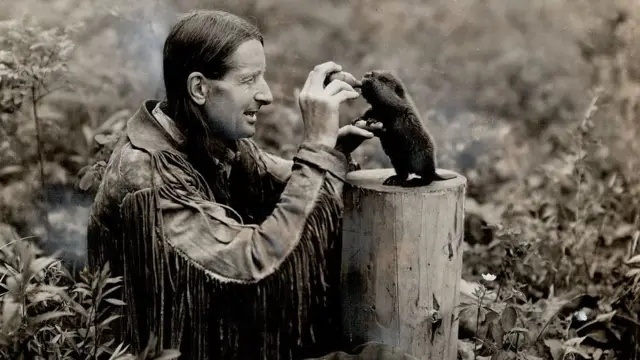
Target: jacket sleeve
230 250
272 167
277 168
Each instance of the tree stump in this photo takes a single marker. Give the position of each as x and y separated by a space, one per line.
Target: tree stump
402 263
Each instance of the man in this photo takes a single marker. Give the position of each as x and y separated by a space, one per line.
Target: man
227 252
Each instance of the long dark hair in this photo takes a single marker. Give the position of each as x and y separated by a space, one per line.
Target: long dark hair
203 41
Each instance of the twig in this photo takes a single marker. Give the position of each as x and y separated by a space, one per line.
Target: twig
583 125
34 103
480 299
49 91
14 241
498 293
544 327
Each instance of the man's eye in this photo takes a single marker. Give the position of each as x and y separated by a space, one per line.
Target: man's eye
250 79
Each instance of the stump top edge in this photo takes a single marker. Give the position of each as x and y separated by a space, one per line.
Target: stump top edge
373 178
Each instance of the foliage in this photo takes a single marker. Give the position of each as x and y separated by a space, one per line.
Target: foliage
574 227
553 198
32 62
33 58
47 313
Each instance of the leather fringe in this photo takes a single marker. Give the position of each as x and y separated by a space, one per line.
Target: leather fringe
206 317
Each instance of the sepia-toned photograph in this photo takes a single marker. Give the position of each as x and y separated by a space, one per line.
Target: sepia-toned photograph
330 180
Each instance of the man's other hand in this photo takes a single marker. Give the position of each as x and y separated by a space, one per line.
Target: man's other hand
351 136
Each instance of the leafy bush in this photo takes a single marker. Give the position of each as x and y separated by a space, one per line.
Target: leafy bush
46 313
566 237
553 192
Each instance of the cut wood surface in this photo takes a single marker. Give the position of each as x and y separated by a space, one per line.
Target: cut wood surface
401 263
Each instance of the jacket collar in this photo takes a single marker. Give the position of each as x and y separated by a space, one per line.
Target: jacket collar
146 132
159 133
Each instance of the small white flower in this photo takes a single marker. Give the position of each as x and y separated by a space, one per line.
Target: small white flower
488 277
580 315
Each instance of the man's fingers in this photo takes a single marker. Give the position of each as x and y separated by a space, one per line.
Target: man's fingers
375 127
343 76
319 74
336 86
351 80
346 95
353 130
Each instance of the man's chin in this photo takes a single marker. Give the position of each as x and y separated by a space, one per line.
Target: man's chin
248 131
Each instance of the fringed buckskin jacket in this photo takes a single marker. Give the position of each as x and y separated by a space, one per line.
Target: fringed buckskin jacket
243 266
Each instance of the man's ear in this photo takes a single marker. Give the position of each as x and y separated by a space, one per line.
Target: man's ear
197 87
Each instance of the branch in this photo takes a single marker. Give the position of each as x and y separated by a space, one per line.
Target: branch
34 103
49 91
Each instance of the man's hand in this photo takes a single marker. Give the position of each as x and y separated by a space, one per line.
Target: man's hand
343 76
320 105
351 136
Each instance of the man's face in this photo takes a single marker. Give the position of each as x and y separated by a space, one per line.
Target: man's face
232 103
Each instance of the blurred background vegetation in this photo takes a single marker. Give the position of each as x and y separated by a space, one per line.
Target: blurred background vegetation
535 102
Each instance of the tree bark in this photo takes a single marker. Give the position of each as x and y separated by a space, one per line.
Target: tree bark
402 262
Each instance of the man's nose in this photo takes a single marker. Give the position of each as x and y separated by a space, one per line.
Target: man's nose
264 95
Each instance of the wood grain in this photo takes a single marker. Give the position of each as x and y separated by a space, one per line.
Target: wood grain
401 263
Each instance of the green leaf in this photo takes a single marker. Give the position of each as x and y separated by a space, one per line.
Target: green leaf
108 344
519 330
168 355
105 271
49 316
607 317
108 320
531 357
38 297
113 280
109 291
84 333
575 341
465 304
576 350
119 351
633 272
556 348
597 355
101 349
82 291
78 308
57 290
14 283
11 313
115 302
497 333
634 261
491 315
38 265
599 336
509 317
